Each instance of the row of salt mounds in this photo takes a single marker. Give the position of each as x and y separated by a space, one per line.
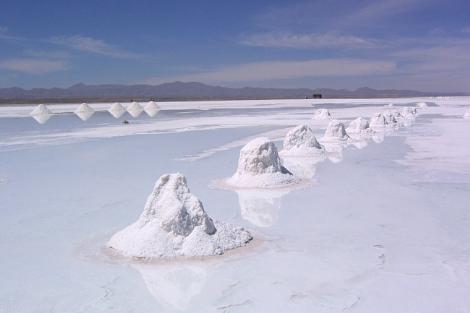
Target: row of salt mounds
135 109
173 224
41 114
392 119
259 166
322 114
301 142
84 111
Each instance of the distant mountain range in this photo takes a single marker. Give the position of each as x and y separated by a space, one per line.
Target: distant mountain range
190 91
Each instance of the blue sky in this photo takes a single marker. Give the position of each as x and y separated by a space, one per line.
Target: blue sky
408 44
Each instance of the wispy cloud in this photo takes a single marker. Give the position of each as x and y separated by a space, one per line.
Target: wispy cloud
276 70
92 45
306 40
378 9
32 66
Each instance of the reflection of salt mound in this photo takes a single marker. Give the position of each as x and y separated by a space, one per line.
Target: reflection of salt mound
304 167
322 114
41 114
134 109
173 286
301 141
467 114
335 131
260 206
117 110
151 108
259 166
422 105
378 122
174 223
358 126
84 111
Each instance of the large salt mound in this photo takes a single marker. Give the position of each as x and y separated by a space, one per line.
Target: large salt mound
41 114
335 131
322 114
358 126
117 110
174 223
259 166
378 122
300 141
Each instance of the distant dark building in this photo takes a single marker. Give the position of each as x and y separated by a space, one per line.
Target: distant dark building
317 96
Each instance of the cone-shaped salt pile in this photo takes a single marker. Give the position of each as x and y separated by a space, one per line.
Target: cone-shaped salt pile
117 110
134 109
259 166
467 114
151 108
358 126
300 141
84 111
41 114
335 131
421 105
174 223
322 114
378 122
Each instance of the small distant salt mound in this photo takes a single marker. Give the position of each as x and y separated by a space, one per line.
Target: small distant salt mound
409 112
84 111
117 110
41 114
358 126
322 114
151 108
378 122
422 105
134 109
174 223
300 141
335 131
259 166
390 105
466 115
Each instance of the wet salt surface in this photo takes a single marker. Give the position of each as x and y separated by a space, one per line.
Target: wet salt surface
370 235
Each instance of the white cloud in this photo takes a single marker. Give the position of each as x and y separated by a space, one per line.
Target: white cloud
32 66
310 40
92 45
274 70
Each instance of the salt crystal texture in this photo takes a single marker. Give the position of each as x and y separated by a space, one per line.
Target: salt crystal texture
117 110
300 141
41 114
84 111
335 131
174 223
358 126
134 109
322 114
151 108
259 166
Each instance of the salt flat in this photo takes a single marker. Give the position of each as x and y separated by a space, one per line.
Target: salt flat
383 228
